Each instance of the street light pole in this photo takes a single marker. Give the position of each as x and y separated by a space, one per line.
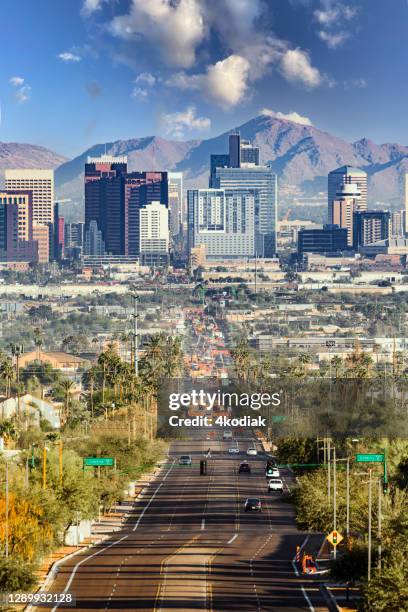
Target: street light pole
7 511
135 332
334 497
369 526
348 498
379 523
44 479
328 470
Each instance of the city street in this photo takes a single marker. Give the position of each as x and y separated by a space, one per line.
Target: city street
189 545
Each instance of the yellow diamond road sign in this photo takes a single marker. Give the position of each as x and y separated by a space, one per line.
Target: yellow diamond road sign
334 538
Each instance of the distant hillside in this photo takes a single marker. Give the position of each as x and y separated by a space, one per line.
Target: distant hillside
301 155
21 155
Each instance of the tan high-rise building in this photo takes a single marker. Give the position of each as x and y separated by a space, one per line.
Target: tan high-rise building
41 184
42 237
347 201
345 177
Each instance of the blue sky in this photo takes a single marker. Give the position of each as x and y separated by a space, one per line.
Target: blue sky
78 72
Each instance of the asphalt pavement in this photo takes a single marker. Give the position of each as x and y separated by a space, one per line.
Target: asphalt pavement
188 544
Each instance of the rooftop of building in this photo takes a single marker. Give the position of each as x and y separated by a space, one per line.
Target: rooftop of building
348 170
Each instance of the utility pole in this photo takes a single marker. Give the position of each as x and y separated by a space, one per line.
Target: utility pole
328 470
135 333
369 526
60 461
379 523
7 511
334 497
348 499
44 479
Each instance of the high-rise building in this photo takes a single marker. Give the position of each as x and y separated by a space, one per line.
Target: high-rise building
348 198
223 221
406 203
241 154
370 226
57 235
16 227
94 244
41 184
104 200
262 179
41 234
154 234
330 239
141 189
176 212
398 224
74 235
346 176
113 198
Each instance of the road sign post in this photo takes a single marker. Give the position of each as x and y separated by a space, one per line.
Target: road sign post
99 461
370 457
334 538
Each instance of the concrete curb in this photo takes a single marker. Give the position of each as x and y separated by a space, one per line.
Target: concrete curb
329 598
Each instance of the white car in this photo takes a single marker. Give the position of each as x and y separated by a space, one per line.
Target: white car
185 460
233 450
252 451
272 472
275 484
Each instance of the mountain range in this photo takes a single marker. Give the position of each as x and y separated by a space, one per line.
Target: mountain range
301 155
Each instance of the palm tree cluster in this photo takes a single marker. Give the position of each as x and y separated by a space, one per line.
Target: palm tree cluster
112 379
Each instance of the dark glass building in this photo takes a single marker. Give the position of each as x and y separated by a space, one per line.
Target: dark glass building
330 239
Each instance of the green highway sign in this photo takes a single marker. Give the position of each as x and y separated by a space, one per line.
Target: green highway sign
276 418
370 458
109 461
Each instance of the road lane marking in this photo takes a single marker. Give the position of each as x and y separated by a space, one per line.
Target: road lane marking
74 571
295 569
152 498
306 596
234 537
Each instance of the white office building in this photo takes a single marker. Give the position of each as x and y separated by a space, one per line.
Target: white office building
154 233
223 221
264 181
41 184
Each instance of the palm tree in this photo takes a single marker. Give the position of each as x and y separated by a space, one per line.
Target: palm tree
67 386
38 341
7 373
8 431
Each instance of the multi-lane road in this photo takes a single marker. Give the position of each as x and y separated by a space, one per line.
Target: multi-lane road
188 544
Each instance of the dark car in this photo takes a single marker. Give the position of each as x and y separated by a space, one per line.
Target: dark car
244 468
253 504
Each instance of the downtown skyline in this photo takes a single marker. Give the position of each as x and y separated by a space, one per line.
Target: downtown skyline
97 71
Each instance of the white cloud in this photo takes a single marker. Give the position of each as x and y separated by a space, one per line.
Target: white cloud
143 82
333 12
177 124
358 83
292 116
90 6
23 89
68 56
296 67
225 82
333 40
139 93
332 18
16 81
147 78
174 29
